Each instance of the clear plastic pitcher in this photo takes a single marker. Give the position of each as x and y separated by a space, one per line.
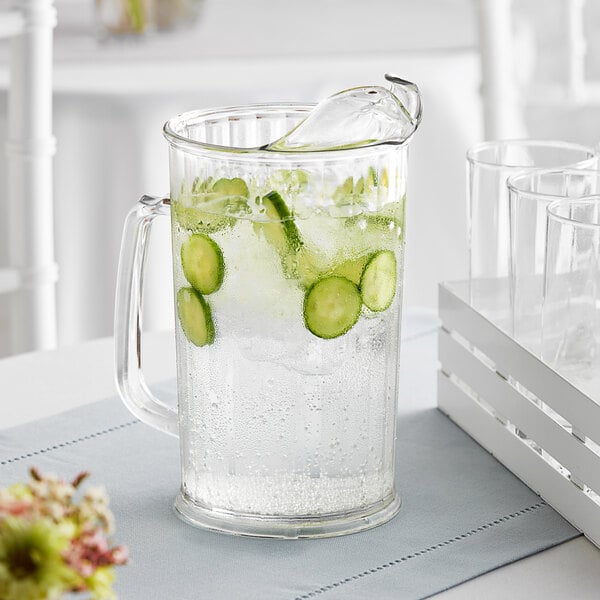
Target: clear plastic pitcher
288 284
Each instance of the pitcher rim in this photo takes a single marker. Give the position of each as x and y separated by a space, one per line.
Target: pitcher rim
180 141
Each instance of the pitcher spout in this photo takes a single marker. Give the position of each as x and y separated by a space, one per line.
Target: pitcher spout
409 99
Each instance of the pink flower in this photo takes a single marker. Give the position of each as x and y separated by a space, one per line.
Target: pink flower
120 555
90 551
83 560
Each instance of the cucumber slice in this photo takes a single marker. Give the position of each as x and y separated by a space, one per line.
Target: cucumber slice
231 187
195 317
352 269
388 221
280 231
289 181
353 192
373 223
378 281
203 264
207 208
196 220
331 307
201 186
382 223
306 267
366 186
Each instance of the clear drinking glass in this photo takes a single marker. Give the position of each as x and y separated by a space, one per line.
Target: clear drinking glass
288 282
571 308
530 194
489 165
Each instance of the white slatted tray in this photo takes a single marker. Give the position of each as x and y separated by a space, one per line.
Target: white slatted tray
541 427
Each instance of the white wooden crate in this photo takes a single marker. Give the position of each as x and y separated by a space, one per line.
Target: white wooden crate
541 427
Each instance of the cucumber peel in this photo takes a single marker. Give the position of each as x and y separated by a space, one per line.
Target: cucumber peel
195 317
378 281
280 230
202 263
331 307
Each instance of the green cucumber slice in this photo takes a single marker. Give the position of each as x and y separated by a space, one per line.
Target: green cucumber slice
235 187
196 220
290 181
331 307
201 186
381 222
206 209
280 231
352 269
389 220
353 192
378 281
202 262
363 187
195 317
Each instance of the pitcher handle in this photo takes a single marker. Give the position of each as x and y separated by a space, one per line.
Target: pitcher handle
409 96
128 318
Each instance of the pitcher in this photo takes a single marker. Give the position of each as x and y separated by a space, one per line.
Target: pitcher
288 272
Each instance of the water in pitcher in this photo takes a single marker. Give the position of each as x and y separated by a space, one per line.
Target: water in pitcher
288 286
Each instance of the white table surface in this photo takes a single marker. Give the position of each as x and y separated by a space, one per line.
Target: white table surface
41 384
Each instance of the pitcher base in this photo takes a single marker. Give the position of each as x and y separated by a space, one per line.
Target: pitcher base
292 528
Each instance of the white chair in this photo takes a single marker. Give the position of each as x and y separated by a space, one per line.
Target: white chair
502 114
32 273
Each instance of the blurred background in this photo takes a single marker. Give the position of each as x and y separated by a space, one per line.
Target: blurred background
486 69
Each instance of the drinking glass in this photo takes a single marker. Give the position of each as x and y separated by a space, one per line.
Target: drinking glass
287 281
530 194
571 307
489 165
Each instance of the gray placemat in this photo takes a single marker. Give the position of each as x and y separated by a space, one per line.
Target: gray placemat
462 512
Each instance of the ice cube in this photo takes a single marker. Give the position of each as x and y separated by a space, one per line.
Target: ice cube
357 117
